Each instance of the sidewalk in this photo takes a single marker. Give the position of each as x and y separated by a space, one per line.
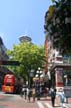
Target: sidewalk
47 100
67 104
57 101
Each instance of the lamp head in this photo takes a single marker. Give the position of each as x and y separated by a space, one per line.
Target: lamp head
38 68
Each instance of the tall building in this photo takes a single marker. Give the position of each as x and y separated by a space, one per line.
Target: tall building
25 39
3 55
53 55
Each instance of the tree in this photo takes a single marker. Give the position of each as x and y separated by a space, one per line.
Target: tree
29 56
58 25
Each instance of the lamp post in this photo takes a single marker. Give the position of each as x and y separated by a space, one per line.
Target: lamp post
38 75
31 76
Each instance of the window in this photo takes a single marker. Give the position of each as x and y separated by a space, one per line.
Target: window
67 77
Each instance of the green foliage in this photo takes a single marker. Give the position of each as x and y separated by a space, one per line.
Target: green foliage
58 25
29 55
52 0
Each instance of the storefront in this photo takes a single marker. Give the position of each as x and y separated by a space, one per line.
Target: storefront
61 77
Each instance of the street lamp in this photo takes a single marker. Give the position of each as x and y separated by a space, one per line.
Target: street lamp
32 73
31 76
38 75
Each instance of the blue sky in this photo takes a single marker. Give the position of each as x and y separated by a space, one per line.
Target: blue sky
20 17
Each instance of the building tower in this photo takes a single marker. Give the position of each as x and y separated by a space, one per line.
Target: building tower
25 39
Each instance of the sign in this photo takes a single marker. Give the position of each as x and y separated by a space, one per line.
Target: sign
13 63
7 88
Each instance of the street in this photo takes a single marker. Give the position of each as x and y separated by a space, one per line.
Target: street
16 101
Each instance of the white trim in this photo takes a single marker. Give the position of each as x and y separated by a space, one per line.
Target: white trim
40 105
48 105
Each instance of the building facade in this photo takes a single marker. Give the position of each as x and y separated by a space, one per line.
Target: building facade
3 55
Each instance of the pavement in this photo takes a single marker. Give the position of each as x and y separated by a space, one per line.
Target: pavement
67 104
57 102
16 101
47 102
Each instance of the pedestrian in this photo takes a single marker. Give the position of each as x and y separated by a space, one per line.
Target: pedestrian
29 94
22 92
53 96
25 92
38 93
62 97
33 93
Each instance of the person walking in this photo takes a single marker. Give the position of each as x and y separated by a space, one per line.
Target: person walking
29 93
33 93
53 96
25 92
62 97
22 91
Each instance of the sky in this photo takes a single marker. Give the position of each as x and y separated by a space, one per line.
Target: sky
22 17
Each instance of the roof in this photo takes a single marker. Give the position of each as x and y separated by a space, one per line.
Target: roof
60 65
